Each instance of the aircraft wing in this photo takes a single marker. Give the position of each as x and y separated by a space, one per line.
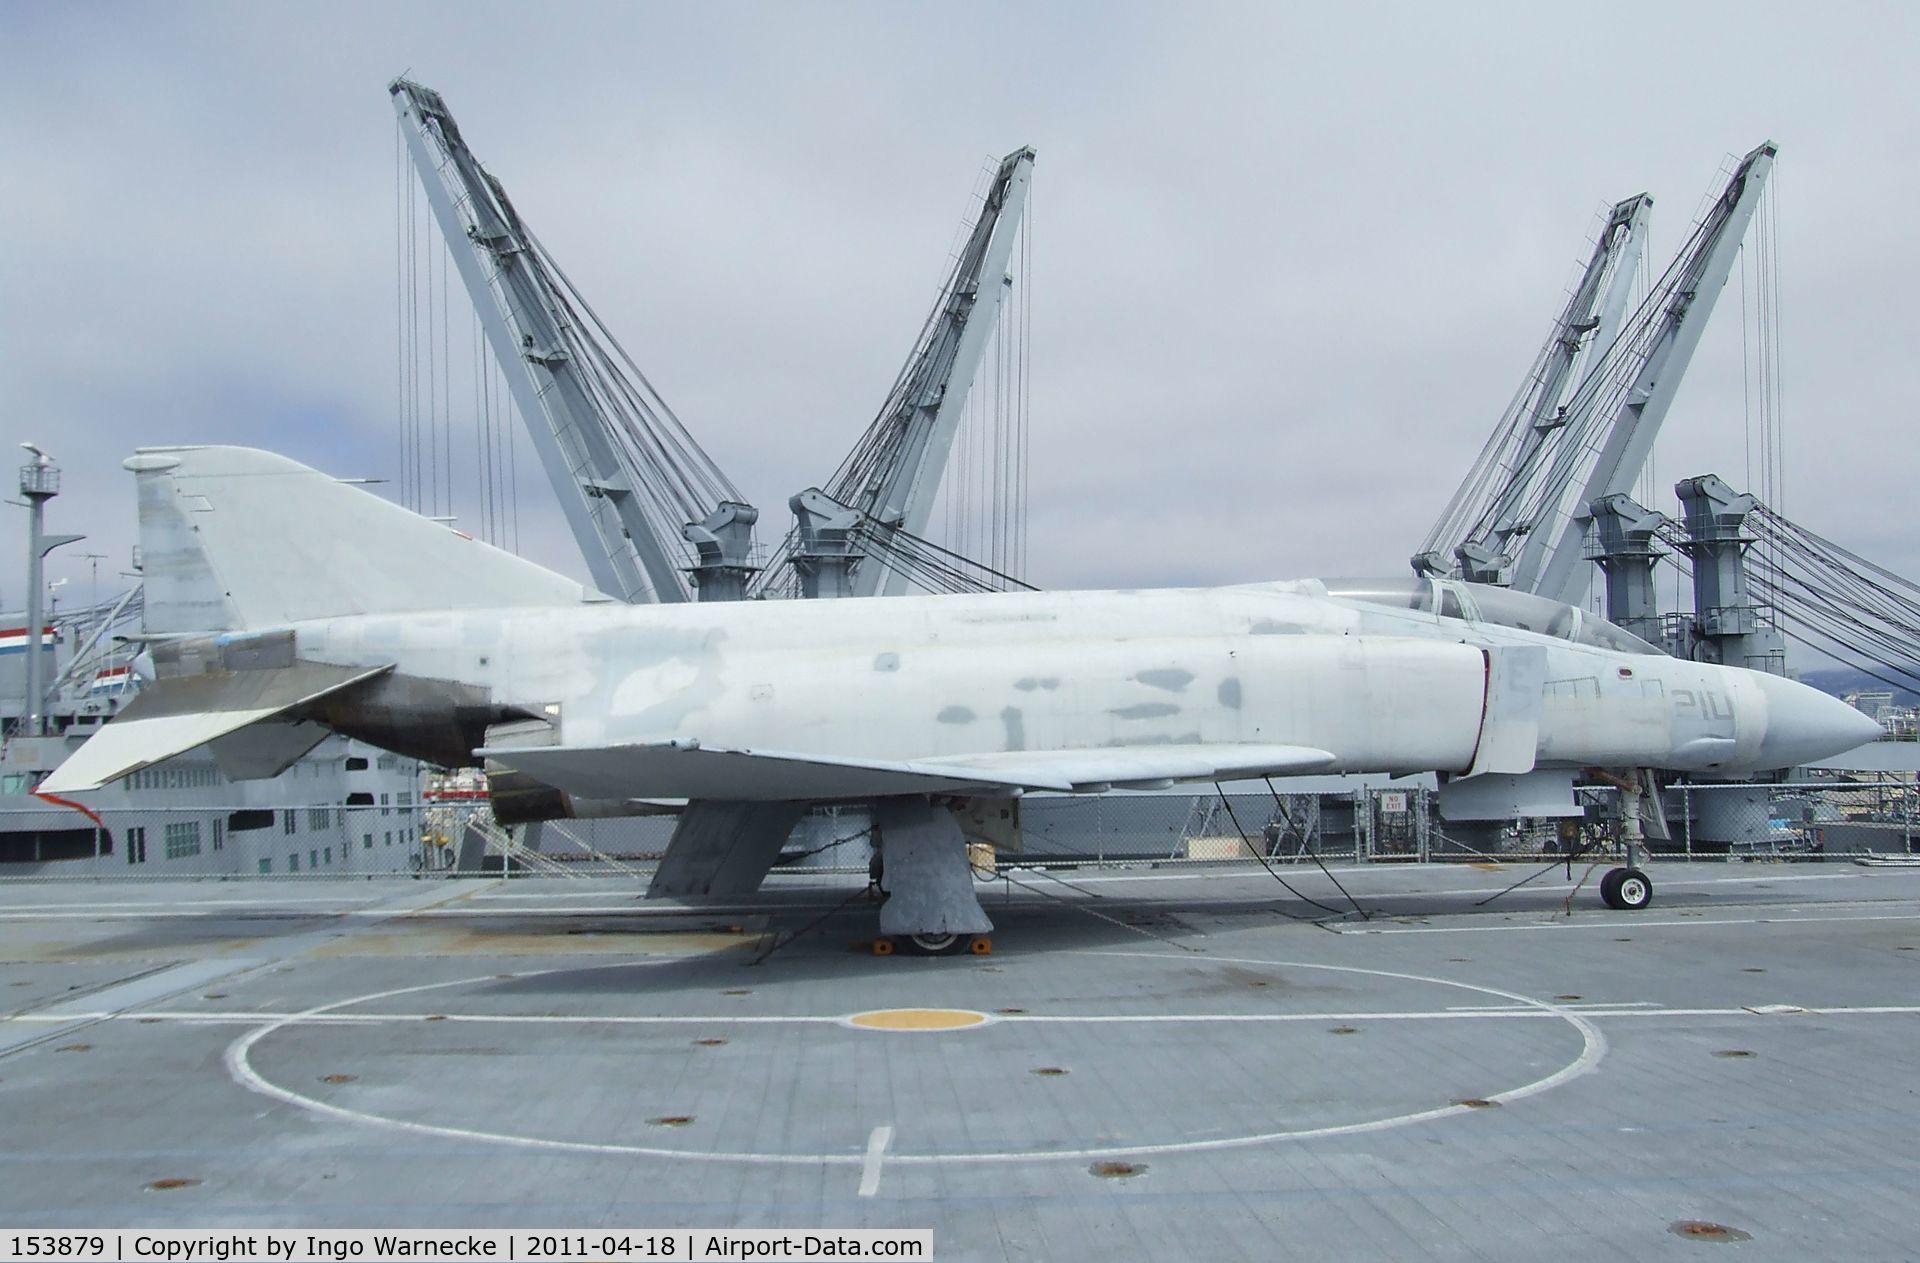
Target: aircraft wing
175 715
688 769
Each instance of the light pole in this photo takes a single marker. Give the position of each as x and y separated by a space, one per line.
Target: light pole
93 584
39 483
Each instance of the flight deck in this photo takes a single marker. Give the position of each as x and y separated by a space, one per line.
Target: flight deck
1172 1062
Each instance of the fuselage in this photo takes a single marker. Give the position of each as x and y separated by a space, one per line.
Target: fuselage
1383 690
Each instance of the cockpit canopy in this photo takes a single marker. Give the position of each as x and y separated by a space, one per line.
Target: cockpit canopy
1485 603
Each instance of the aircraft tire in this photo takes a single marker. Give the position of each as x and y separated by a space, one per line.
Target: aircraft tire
1627 889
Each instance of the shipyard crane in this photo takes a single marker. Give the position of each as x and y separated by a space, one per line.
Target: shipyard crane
1526 437
862 534
649 509
1530 534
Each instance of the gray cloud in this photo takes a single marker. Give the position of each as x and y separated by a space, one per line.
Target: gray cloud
1288 265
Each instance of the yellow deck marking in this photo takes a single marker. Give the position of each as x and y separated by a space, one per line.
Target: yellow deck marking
918 1019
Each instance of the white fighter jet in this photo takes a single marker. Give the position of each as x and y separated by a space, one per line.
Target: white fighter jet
281 604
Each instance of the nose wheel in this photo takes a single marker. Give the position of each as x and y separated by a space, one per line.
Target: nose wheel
1627 889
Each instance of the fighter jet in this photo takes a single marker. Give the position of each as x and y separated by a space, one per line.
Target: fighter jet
282 604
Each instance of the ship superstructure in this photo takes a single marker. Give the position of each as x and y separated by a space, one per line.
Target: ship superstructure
342 808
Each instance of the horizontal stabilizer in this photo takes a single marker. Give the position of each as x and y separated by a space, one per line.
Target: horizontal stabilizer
175 715
687 769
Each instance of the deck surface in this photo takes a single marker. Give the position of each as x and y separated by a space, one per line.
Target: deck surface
1440 1080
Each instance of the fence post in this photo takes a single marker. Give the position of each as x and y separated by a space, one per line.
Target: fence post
1686 812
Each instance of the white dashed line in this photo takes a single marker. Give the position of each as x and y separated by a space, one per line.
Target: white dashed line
876 1152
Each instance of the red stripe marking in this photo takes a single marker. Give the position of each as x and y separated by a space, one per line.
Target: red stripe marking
82 808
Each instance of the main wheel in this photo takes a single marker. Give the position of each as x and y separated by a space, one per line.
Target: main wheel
1627 889
936 944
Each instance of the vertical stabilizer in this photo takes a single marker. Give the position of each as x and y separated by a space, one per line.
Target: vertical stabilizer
232 538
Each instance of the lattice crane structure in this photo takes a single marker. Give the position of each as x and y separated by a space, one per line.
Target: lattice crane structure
863 535
1523 514
653 514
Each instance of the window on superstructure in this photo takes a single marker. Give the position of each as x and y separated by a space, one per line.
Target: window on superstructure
219 834
137 845
318 819
385 809
293 861
266 866
366 841
182 839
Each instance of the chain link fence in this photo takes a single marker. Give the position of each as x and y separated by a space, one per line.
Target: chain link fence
1809 820
1816 820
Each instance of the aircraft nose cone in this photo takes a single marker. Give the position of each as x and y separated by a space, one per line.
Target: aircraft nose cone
1804 725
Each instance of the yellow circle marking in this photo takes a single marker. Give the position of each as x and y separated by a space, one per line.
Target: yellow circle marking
918 1019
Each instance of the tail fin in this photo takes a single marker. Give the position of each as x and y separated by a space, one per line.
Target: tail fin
232 538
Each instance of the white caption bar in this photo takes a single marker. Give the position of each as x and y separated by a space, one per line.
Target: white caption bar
544 1245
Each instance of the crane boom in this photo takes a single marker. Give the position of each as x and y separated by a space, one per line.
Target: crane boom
626 473
1475 532
1664 353
892 476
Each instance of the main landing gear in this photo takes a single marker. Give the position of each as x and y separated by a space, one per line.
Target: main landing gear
934 945
929 908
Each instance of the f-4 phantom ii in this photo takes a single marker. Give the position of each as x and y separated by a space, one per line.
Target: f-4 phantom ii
281 604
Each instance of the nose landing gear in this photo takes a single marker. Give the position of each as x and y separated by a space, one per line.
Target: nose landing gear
1627 889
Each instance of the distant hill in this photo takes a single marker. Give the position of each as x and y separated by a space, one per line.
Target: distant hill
1840 681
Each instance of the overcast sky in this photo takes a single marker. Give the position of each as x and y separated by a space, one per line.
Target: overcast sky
1289 262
